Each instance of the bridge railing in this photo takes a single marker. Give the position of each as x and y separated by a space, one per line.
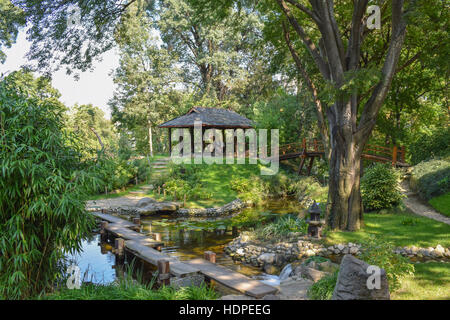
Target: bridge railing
393 154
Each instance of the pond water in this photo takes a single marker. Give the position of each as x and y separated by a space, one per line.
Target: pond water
98 263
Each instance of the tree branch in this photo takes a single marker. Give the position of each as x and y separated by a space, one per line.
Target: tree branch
306 10
306 40
375 102
311 86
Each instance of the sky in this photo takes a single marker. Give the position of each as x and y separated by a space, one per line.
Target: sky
94 87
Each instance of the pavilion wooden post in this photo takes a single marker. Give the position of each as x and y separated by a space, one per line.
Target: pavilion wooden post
164 272
210 256
170 141
191 131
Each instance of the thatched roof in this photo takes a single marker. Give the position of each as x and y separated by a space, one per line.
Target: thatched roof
210 118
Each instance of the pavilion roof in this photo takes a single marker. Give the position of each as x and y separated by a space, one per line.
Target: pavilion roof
211 118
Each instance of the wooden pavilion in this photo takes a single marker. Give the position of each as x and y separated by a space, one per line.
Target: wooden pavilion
211 118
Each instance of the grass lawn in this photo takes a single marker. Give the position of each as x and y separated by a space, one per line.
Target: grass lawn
442 204
430 282
402 229
216 179
121 193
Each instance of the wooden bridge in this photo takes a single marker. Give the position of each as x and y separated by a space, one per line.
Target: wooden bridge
142 246
313 148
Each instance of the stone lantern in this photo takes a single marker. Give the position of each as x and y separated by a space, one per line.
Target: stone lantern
315 224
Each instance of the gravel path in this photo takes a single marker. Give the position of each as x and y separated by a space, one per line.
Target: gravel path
416 205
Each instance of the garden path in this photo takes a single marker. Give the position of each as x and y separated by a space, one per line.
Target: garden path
416 205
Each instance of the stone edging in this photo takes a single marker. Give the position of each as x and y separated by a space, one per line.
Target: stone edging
229 208
259 255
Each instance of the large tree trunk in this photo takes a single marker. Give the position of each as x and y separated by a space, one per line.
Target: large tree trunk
345 210
346 135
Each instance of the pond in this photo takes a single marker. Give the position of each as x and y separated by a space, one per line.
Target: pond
98 264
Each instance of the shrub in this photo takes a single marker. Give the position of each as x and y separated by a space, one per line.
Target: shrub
430 146
431 178
380 188
323 289
281 228
252 189
42 213
378 252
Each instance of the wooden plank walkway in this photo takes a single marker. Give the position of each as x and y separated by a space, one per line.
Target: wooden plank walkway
232 279
119 231
177 268
140 246
114 219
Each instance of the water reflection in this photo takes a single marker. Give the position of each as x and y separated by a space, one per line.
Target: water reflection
96 261
99 265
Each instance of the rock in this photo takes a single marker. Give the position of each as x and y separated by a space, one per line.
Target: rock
340 247
145 202
268 258
312 274
353 250
352 282
237 297
271 269
295 290
310 253
152 208
439 251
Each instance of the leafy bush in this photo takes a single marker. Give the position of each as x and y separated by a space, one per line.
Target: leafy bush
42 212
431 178
378 252
281 228
184 180
110 173
380 188
430 146
251 189
323 289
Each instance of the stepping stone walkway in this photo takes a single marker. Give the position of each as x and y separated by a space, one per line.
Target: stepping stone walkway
159 167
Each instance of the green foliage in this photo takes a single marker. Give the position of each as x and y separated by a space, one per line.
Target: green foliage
251 189
433 145
431 178
94 132
380 188
442 203
42 213
281 228
111 173
379 252
132 290
11 19
323 289
409 221
282 112
185 180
